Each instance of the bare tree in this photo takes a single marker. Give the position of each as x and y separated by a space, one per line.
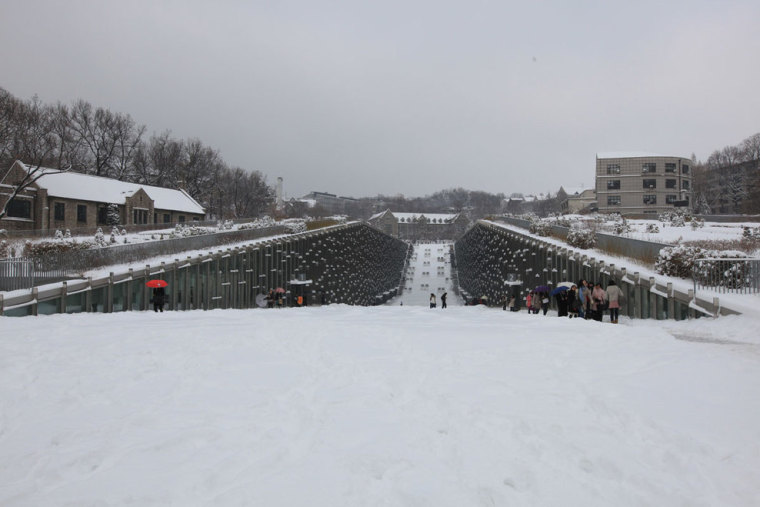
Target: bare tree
751 148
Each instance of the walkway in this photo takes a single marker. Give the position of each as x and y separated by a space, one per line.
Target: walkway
429 271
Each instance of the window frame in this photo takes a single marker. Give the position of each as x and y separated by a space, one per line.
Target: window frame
652 183
649 199
19 208
613 184
81 213
649 168
613 200
613 168
59 206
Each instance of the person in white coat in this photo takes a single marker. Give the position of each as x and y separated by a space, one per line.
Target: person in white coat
614 297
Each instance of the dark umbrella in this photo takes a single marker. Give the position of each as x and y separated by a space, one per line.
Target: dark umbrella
542 288
156 283
558 290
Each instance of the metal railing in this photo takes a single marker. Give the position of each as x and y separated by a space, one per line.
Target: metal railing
16 274
727 275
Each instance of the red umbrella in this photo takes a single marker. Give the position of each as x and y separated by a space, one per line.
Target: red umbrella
156 283
280 290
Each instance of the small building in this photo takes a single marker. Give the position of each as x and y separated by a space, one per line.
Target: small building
70 200
636 183
574 200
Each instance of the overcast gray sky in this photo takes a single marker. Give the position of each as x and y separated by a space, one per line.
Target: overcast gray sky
359 98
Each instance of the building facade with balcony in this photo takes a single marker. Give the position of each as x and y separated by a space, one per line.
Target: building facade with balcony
635 183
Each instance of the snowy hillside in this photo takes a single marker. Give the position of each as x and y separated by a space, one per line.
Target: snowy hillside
390 405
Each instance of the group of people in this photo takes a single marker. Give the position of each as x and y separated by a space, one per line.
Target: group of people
584 300
443 300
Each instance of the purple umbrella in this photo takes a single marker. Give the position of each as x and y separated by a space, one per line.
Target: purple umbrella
542 288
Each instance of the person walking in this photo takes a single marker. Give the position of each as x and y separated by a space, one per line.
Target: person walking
158 299
504 302
512 304
582 298
573 302
614 296
598 301
443 300
529 302
432 300
544 302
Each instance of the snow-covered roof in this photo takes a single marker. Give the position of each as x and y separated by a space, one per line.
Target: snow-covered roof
71 185
378 215
632 154
576 191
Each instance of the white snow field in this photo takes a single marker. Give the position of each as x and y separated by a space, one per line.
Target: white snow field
389 405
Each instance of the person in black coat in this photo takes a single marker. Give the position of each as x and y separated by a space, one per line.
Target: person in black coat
159 294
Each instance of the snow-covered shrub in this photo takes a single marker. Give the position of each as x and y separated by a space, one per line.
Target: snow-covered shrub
112 214
259 223
123 231
67 234
697 223
678 260
41 248
653 229
115 231
100 239
676 217
540 228
59 234
294 225
581 238
184 231
620 226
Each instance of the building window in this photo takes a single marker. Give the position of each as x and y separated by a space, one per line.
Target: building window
649 167
139 216
671 199
167 218
685 184
613 185
613 200
650 183
613 169
82 213
685 169
670 167
102 214
20 208
59 211
650 199
671 184
182 219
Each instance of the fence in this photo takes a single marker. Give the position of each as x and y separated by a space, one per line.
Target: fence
54 267
645 251
728 276
351 264
16 274
491 257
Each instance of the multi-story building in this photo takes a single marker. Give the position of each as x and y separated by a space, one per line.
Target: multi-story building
642 183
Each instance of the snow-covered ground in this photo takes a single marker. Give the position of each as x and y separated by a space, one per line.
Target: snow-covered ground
428 272
389 405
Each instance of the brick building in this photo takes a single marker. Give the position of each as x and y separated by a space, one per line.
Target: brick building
420 226
70 200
